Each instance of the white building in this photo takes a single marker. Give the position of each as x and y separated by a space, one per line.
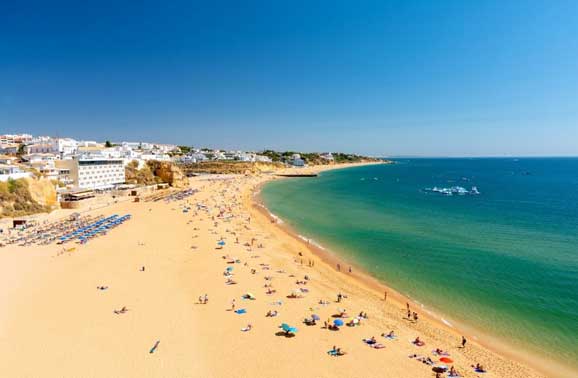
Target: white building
90 143
66 146
47 145
40 148
8 172
43 163
93 171
263 159
15 138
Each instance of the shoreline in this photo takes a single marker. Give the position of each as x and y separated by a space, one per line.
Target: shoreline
185 261
485 340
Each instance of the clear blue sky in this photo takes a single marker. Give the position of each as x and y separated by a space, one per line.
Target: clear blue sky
377 77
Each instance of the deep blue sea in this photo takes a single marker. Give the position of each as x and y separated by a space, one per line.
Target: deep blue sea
504 261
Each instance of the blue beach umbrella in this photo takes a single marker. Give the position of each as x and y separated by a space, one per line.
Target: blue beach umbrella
287 328
315 317
229 268
338 322
222 242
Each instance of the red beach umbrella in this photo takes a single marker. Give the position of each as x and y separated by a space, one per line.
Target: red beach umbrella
447 360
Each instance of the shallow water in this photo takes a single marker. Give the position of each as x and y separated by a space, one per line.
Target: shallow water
504 261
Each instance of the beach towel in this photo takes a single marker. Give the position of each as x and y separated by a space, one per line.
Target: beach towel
241 311
378 346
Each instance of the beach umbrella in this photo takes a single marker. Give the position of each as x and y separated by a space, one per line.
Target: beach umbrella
315 317
229 268
338 322
447 360
287 328
222 242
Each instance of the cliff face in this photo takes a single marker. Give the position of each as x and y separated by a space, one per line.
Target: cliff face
43 192
155 172
26 196
168 172
230 167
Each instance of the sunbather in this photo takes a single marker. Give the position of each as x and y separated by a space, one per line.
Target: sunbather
453 372
418 342
479 368
121 311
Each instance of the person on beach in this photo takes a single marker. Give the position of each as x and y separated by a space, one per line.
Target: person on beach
338 268
390 335
233 305
479 368
339 296
464 341
415 317
385 296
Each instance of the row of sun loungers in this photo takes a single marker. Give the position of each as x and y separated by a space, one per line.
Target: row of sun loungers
95 229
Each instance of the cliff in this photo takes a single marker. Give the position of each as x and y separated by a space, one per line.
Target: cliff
230 167
155 172
168 172
26 196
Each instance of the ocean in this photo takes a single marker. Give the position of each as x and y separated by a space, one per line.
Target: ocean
504 261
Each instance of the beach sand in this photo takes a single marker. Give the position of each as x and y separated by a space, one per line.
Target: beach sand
55 323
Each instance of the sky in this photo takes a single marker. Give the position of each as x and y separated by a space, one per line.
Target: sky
383 78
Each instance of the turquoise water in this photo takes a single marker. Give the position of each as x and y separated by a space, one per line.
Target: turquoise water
504 261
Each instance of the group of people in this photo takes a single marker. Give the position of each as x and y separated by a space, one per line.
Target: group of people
329 324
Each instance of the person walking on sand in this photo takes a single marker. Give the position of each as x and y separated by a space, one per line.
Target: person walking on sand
338 268
385 296
464 341
233 305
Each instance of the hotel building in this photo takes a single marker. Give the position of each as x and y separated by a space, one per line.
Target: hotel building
93 172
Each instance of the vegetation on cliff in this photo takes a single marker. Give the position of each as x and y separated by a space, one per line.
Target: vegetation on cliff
16 199
314 158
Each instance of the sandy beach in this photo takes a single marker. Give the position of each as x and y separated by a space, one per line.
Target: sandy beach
54 322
